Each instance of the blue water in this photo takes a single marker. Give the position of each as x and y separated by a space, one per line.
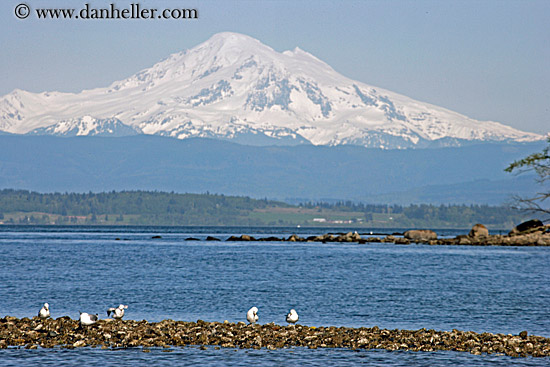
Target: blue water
493 289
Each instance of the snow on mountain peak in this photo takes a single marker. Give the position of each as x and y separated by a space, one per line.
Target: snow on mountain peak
234 87
225 41
87 126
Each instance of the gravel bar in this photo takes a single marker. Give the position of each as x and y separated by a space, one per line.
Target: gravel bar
64 332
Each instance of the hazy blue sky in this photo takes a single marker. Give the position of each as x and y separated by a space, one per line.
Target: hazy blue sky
489 60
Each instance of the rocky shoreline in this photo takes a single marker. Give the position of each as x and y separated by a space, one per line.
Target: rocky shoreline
67 333
538 235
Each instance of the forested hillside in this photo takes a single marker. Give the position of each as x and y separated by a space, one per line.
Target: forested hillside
162 208
140 207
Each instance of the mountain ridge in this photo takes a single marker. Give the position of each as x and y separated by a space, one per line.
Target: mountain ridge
197 165
233 87
88 126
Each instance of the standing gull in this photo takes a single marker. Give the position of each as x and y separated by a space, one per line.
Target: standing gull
44 312
252 315
87 319
117 312
292 317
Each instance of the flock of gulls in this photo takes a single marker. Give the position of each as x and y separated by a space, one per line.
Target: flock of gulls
87 319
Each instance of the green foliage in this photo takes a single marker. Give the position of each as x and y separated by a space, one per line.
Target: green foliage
540 164
147 207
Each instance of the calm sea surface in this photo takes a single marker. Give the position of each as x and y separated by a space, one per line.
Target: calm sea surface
493 289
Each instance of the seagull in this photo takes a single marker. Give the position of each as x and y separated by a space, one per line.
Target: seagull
292 317
117 312
87 319
44 312
252 315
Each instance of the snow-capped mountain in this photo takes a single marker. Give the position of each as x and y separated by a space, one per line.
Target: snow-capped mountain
234 87
88 126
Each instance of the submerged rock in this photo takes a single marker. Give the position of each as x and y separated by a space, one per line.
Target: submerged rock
243 237
271 239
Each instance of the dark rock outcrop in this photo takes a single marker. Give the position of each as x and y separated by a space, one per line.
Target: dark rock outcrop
402 241
295 238
243 237
420 235
348 237
534 235
529 226
479 230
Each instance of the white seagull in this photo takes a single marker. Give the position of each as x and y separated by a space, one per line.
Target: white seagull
87 319
117 312
252 315
44 312
292 317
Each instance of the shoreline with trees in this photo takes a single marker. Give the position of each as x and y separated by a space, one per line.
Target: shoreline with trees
21 207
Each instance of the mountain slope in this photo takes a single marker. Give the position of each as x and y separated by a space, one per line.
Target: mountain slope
304 172
88 126
233 87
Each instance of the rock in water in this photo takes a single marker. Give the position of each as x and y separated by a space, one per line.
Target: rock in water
479 230
420 235
527 226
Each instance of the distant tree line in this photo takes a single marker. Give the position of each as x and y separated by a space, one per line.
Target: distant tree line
152 207
426 215
354 207
163 208
126 202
